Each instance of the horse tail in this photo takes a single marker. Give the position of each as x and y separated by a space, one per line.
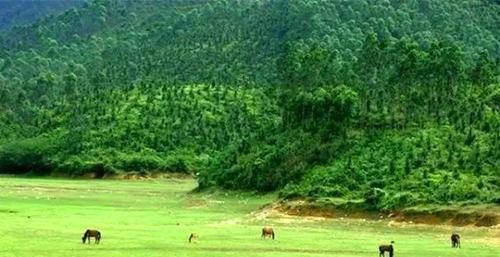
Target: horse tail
272 233
190 238
263 232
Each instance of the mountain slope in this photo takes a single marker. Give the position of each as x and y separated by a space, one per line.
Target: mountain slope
393 102
22 12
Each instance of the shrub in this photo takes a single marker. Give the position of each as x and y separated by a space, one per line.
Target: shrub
400 200
139 161
28 155
77 166
374 198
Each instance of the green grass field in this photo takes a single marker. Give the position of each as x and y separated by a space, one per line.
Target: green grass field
46 217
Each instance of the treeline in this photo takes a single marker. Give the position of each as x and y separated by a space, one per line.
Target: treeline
393 102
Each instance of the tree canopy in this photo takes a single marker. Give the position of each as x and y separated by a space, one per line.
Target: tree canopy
394 102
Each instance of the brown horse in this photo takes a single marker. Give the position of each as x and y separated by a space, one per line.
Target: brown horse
267 232
193 237
455 240
91 233
386 248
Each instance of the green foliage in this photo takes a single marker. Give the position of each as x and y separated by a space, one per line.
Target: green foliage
324 108
379 170
28 155
14 12
392 102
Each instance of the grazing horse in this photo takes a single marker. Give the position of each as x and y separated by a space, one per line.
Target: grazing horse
386 248
91 233
193 237
267 232
455 240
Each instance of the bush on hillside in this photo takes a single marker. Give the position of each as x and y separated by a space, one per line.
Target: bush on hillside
28 155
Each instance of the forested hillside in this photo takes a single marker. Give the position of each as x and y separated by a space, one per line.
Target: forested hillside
392 102
22 12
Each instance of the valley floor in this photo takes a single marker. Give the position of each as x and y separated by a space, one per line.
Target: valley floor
47 217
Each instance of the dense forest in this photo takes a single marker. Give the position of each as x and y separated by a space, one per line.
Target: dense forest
22 12
388 101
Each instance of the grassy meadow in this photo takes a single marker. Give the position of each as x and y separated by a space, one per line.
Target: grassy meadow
46 217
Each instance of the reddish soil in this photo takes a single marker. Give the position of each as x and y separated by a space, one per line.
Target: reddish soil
480 216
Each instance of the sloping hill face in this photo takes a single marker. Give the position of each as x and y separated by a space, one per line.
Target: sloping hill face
185 41
392 102
22 12
235 42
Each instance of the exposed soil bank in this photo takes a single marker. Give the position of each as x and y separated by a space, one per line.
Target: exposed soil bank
476 215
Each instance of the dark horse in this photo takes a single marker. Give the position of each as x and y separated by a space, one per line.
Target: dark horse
268 232
193 237
91 233
386 248
455 240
